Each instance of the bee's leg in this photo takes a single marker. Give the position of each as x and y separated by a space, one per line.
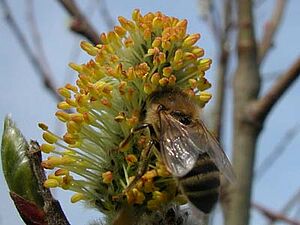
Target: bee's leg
143 126
143 166
144 158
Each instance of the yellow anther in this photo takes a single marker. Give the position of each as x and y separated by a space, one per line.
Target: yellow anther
178 55
67 160
76 117
166 45
167 71
64 92
193 83
73 127
120 31
148 88
71 87
51 183
163 81
188 56
205 97
155 78
63 106
153 51
70 138
128 42
131 159
47 148
43 126
204 64
147 34
149 186
89 48
156 42
172 80
62 116
136 15
49 137
103 38
190 40
203 84
76 67
199 52
107 177
61 172
77 197
157 23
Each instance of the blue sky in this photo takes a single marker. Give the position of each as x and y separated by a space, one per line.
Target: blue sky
23 95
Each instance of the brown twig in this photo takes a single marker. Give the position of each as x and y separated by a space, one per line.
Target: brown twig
222 72
52 208
79 23
209 14
274 216
104 12
277 152
36 38
270 29
246 88
44 74
259 109
290 203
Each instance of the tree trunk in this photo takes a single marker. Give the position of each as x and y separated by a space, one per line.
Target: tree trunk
246 88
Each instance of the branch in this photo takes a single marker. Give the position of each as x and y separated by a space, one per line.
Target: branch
36 38
291 202
259 110
105 14
270 29
246 88
79 23
277 152
209 13
52 208
222 71
41 71
273 216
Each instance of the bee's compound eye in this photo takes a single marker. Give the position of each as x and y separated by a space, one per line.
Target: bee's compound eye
186 120
182 118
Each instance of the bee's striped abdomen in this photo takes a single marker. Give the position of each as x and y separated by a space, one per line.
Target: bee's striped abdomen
201 184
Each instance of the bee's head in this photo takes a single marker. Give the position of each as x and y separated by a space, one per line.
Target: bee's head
174 102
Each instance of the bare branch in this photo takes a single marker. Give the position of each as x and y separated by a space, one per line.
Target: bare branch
270 29
80 24
222 72
52 208
260 109
277 152
104 12
209 14
44 74
246 87
36 37
291 202
273 216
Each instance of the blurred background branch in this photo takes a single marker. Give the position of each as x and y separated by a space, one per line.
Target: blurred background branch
79 23
34 59
277 152
274 216
270 29
261 108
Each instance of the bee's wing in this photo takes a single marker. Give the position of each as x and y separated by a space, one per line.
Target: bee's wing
178 151
203 139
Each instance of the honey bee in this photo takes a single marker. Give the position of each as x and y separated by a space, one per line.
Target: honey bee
189 151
